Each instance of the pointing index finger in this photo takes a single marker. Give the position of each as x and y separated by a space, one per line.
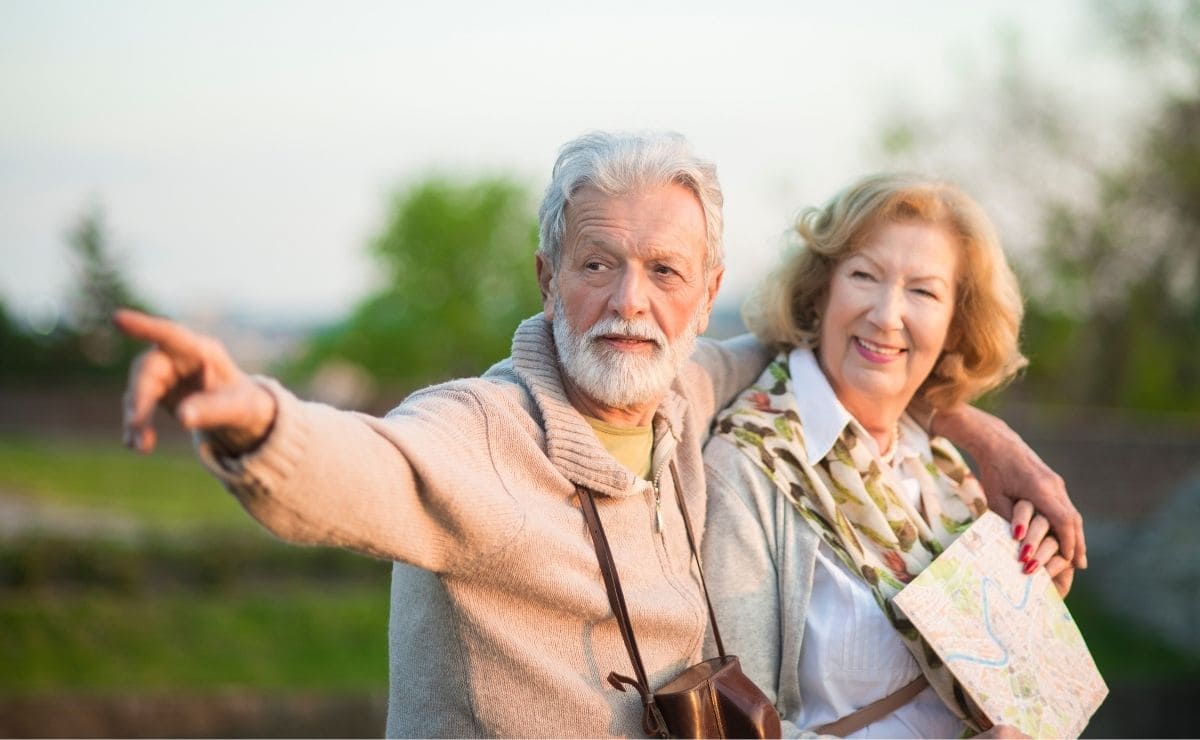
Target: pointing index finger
170 336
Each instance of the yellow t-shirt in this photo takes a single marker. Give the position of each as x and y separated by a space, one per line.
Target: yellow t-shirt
633 447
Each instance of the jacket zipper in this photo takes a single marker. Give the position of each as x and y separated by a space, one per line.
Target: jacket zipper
658 512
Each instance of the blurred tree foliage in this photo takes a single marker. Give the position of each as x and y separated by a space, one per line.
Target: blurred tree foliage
85 346
456 258
22 355
1112 278
1134 345
100 289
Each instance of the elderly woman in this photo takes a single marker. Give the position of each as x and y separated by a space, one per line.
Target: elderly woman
826 497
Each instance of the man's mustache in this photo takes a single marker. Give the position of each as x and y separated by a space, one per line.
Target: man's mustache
626 329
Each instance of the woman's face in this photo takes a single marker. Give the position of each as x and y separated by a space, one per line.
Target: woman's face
887 315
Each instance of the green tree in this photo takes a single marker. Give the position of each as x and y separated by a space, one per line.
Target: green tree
457 261
100 288
1124 328
22 357
85 347
1132 263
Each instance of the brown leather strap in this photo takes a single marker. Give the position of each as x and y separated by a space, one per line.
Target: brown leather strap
652 721
876 710
612 583
687 523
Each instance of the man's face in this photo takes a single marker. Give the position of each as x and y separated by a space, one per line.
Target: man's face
631 292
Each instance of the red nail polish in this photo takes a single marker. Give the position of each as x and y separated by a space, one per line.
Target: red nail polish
1019 532
1030 567
1026 551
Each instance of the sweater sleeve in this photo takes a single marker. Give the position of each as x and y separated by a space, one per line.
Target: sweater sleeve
731 365
759 573
418 486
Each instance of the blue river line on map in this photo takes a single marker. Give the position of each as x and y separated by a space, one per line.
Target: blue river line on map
987 621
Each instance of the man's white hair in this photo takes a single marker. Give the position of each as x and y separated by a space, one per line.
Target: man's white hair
619 164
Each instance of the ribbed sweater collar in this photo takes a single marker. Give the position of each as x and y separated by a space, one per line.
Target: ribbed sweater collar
571 444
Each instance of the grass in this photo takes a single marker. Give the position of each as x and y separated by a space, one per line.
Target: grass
168 489
202 599
332 639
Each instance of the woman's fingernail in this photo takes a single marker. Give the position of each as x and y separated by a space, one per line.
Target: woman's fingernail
1030 567
1026 551
1019 532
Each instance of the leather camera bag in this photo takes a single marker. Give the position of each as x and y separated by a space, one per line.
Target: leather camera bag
713 698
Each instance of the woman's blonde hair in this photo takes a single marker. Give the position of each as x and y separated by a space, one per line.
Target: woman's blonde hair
981 351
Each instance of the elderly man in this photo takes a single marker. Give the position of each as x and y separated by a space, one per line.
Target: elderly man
500 620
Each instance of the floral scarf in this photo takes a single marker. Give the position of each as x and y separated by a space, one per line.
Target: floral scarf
852 500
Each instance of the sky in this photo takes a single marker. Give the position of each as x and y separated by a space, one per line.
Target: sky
244 153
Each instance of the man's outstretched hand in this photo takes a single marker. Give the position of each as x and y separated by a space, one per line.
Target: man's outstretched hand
193 377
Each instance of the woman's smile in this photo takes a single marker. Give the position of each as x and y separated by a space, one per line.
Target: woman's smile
875 352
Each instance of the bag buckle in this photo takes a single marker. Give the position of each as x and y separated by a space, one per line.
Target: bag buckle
653 721
619 683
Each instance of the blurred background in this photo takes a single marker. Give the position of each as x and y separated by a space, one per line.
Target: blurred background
346 194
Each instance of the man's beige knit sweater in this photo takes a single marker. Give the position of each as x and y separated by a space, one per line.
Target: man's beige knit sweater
500 624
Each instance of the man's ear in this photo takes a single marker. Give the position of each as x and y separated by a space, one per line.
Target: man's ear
715 276
545 278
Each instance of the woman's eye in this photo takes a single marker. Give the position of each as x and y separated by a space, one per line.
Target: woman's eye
925 292
861 275
663 270
593 266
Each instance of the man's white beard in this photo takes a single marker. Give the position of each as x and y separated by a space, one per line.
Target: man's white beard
617 379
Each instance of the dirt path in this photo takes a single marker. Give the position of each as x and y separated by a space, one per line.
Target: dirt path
22 515
224 714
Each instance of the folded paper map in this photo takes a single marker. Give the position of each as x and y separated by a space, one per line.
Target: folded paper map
1006 636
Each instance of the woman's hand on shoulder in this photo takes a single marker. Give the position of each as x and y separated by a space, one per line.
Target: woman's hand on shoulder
1039 548
1009 470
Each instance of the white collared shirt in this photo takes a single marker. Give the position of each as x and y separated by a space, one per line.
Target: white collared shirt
851 655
